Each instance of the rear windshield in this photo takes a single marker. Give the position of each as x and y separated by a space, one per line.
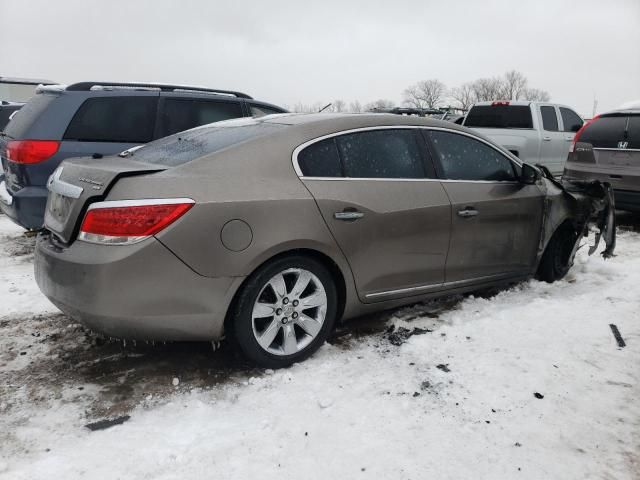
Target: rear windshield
499 116
633 132
20 124
183 147
606 132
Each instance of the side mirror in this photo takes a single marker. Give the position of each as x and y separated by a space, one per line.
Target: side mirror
530 174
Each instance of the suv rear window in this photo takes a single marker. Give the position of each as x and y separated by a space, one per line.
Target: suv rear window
182 114
19 125
499 116
183 147
605 132
114 119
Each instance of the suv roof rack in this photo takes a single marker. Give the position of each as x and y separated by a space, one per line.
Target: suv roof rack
86 86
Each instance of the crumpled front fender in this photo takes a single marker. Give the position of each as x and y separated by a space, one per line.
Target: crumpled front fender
578 203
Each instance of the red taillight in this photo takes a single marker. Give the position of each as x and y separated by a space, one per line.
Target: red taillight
31 151
130 221
500 103
579 132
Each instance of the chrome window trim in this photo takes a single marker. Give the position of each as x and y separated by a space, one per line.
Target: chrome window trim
444 285
299 148
139 203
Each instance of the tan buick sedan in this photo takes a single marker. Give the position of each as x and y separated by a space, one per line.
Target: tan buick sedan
270 230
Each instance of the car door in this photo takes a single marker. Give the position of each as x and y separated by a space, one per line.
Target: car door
495 219
387 213
552 143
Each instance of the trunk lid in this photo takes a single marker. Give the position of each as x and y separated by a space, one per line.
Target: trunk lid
80 182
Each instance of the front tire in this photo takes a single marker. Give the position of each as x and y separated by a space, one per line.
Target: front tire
556 260
285 311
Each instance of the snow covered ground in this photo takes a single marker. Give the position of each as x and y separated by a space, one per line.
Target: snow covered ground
455 400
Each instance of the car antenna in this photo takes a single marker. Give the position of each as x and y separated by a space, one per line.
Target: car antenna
325 107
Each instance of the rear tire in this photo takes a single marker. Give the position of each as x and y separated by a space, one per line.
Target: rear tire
285 311
554 264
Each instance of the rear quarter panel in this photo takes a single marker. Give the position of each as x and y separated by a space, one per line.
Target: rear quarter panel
254 183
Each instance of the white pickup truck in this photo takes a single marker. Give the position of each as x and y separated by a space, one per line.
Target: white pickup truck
536 132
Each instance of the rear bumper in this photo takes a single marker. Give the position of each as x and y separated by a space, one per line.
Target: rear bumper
139 291
26 207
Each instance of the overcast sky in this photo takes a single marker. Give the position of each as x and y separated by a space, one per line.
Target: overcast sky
302 51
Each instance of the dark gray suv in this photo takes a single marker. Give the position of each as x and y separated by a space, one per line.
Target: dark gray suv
96 119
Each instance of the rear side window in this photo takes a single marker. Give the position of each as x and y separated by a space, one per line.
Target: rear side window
605 132
381 154
21 123
183 114
320 159
499 116
183 147
549 119
570 120
465 158
261 110
114 119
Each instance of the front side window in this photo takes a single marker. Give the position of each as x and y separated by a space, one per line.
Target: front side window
549 119
570 120
465 158
181 114
381 154
114 119
320 159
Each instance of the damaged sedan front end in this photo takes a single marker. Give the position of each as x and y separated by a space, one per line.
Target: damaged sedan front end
570 208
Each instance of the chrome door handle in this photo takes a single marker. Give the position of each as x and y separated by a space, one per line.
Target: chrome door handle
468 212
569 138
348 216
546 139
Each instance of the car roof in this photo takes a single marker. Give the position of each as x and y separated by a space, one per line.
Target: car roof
25 81
342 121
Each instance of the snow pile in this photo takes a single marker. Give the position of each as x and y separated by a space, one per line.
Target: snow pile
454 398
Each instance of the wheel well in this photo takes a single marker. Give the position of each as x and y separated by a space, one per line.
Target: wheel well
333 268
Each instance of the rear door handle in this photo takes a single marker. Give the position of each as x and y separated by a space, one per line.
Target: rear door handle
468 212
546 139
569 138
348 216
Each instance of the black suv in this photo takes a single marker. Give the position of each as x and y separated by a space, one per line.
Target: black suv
97 119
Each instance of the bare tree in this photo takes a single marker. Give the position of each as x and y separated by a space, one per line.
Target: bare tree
463 95
338 106
425 94
536 95
379 104
355 107
514 85
485 89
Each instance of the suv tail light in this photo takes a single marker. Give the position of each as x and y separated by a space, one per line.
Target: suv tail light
130 221
579 132
31 151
